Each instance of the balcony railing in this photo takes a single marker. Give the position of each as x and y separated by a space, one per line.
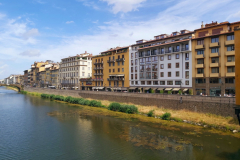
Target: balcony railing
176 50
161 52
120 59
98 63
115 79
185 49
141 55
97 79
110 61
147 54
168 51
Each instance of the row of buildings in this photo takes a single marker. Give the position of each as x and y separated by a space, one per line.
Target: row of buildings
199 62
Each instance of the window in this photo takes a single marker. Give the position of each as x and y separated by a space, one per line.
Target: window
230 37
177 74
113 64
142 82
169 82
230 69
199 52
136 82
230 48
122 62
200 80
214 40
136 55
177 65
214 50
200 71
178 82
215 70
82 68
148 67
186 65
142 76
136 62
109 64
132 55
169 65
200 42
169 74
131 62
118 63
187 82
118 69
135 76
154 67
113 70
231 59
229 80
149 82
215 60
154 59
215 80
155 82
200 61
131 76
186 56
89 68
83 73
169 57
131 69
162 74
122 69
162 66
141 68
162 58
109 70
177 56
162 82
187 74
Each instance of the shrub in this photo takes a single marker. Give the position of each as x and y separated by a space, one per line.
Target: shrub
95 103
190 92
150 113
114 106
52 96
86 102
74 100
81 101
169 92
161 91
166 116
67 99
180 92
45 95
131 109
177 119
151 91
23 92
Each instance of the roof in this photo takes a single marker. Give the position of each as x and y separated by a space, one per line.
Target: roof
114 49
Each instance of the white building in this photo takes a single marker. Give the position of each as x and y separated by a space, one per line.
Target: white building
164 63
73 68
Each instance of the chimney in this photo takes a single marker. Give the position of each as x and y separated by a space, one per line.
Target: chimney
85 51
202 26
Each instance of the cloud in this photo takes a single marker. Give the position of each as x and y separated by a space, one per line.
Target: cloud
31 53
60 8
124 5
30 33
89 3
95 21
40 1
68 22
2 16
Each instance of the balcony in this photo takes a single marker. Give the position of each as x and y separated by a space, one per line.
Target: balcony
98 63
97 79
199 75
154 53
110 61
120 59
176 50
115 79
232 74
229 42
185 49
199 65
216 44
141 55
214 74
147 54
161 52
168 51
199 46
200 56
214 64
215 54
230 63
230 53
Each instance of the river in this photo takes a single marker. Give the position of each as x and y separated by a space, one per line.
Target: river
28 131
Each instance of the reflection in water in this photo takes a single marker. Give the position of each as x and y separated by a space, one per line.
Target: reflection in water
34 128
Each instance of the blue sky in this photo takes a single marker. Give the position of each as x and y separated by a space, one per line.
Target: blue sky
39 30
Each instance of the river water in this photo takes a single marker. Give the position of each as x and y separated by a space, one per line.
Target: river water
29 131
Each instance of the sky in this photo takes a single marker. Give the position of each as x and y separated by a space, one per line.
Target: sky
40 30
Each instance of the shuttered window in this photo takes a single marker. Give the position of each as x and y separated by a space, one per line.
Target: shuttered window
217 31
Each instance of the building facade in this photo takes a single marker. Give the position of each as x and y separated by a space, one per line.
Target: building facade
163 64
73 68
214 59
111 70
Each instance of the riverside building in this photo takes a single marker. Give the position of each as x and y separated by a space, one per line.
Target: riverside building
163 64
111 70
73 68
214 59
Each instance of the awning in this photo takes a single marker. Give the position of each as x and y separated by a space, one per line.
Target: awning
119 88
112 75
94 87
100 87
146 88
176 89
119 75
168 89
124 89
185 90
160 89
114 88
132 87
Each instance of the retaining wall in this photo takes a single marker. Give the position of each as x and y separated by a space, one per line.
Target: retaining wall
215 105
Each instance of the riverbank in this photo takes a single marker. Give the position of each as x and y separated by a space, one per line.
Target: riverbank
12 88
181 116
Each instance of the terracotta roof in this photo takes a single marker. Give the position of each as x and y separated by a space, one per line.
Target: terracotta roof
164 44
169 37
213 35
114 49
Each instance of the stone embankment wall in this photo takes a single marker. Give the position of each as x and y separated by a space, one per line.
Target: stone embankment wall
215 105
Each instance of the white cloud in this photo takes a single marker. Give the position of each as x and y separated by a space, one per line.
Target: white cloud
40 1
2 16
124 5
68 22
60 8
89 3
31 53
30 33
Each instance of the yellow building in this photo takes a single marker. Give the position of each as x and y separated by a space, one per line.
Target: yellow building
110 70
213 60
54 76
237 59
